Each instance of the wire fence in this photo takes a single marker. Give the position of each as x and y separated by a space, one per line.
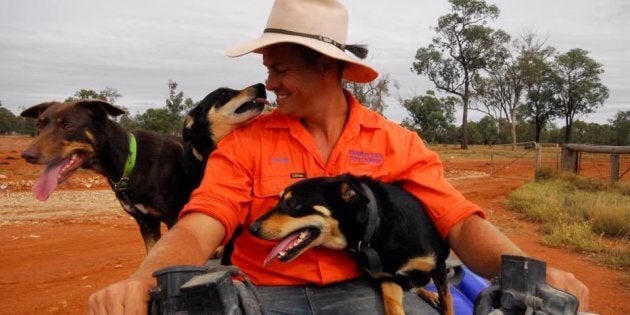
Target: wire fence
598 165
521 161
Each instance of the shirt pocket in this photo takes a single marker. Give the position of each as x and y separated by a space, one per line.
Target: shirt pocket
266 193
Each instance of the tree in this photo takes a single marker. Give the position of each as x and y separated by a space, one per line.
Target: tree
128 122
430 115
621 126
108 94
372 94
176 107
462 48
8 121
488 130
156 119
169 119
593 133
505 84
538 78
578 87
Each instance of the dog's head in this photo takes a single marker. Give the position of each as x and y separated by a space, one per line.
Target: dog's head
324 211
219 113
65 138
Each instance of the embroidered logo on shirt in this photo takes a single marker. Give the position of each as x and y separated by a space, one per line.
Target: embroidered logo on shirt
298 175
366 157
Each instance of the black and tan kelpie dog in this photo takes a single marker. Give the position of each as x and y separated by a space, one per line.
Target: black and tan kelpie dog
151 174
385 227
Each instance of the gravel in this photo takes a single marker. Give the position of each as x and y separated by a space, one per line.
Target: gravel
16 207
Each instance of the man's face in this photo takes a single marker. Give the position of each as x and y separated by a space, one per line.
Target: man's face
292 79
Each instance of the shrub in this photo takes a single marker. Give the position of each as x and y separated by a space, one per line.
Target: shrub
544 174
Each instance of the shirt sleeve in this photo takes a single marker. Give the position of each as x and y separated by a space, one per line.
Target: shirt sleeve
225 191
424 178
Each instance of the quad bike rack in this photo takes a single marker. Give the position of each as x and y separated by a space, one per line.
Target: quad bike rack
520 289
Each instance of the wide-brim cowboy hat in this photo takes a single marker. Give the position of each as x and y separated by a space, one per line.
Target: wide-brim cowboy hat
321 25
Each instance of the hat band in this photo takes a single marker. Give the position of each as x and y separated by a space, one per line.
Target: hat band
317 37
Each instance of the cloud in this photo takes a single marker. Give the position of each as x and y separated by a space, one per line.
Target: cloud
50 49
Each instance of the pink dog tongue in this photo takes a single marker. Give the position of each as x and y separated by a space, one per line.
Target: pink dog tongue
280 247
47 182
262 100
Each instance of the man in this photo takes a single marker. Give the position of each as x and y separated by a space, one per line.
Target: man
318 130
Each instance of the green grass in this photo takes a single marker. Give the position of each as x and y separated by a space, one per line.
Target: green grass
584 215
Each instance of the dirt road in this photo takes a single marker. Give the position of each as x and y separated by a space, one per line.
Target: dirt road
54 254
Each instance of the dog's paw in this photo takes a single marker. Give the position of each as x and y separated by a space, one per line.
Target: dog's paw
430 297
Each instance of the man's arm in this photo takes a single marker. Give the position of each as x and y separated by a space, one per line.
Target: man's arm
479 245
190 242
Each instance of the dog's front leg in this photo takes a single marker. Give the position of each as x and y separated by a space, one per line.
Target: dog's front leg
440 279
392 298
150 230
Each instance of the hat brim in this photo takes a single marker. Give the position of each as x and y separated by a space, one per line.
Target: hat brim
354 70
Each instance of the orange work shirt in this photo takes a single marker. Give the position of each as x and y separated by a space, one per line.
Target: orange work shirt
253 164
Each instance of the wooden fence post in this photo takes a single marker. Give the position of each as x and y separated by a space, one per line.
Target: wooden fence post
614 167
569 160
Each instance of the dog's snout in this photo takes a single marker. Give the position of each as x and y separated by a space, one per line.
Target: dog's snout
260 88
30 155
254 228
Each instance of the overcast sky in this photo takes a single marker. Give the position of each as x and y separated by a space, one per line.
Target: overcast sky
51 48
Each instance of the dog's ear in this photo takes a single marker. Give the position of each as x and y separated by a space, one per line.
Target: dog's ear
109 108
347 192
350 193
36 110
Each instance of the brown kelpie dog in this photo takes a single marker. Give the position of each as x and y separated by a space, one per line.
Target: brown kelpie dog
151 174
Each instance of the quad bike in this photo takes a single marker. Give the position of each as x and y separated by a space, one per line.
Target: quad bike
520 289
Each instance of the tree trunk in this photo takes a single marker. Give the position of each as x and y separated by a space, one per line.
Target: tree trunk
567 130
538 130
513 129
464 145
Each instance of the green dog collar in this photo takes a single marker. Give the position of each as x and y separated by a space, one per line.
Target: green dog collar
123 183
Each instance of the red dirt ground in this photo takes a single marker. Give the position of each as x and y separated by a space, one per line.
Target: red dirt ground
54 254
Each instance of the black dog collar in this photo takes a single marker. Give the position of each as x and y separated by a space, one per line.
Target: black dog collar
370 258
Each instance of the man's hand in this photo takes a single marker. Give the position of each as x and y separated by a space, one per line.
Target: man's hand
567 282
127 297
190 242
475 235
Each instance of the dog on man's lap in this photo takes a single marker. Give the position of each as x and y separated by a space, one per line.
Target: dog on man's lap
385 227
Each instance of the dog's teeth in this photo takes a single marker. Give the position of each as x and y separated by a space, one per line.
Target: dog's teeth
303 235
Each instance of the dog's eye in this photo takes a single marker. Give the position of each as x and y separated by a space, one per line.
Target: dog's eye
293 205
67 126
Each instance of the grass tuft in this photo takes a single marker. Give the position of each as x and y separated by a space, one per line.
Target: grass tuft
577 236
578 213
